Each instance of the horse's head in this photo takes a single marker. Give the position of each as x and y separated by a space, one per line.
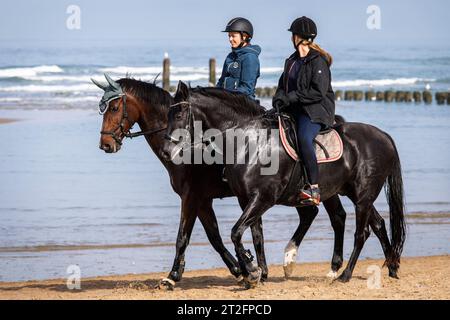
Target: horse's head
179 120
119 112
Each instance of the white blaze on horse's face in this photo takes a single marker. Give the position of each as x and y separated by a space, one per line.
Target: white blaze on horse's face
112 143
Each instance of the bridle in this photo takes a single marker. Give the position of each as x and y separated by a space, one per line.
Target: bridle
189 123
128 133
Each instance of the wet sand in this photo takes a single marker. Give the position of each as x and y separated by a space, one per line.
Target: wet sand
420 278
7 120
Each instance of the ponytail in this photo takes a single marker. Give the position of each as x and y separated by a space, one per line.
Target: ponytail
325 54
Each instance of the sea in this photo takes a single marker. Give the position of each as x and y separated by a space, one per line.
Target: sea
64 202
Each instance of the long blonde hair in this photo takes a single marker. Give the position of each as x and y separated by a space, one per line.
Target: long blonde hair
313 45
324 53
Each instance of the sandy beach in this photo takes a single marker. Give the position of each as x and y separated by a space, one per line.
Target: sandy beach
420 278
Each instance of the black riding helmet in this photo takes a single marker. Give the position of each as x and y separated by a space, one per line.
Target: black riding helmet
241 25
305 28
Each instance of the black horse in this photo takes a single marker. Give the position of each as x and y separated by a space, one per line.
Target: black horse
132 101
370 159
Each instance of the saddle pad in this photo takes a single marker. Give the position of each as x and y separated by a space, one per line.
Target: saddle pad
330 140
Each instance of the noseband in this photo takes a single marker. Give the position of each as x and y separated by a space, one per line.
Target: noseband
128 133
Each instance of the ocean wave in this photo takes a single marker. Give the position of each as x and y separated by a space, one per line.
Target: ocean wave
152 70
29 71
444 80
50 88
380 82
272 70
55 78
10 99
73 83
132 70
173 69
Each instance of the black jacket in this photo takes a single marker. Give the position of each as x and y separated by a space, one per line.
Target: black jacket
314 93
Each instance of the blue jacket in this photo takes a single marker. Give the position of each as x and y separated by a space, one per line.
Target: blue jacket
241 70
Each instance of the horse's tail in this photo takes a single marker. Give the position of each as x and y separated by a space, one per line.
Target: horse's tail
338 119
395 198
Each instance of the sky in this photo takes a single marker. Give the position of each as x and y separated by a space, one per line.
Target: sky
200 21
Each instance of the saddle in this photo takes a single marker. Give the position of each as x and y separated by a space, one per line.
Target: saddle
328 143
328 146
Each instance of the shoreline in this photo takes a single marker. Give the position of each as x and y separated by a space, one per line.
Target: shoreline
420 278
8 120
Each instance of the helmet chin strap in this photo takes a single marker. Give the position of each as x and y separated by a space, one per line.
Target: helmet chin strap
243 42
298 44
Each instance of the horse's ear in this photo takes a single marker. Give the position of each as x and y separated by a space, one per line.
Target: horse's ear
100 85
112 83
182 93
155 80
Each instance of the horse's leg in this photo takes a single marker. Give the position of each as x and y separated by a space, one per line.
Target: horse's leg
208 219
253 211
258 242
337 215
307 216
379 228
187 219
363 212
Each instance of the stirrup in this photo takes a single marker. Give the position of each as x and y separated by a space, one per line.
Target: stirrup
308 196
310 202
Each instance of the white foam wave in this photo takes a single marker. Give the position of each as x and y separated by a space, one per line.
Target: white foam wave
79 78
154 70
51 88
29 71
272 70
132 70
189 77
10 99
379 82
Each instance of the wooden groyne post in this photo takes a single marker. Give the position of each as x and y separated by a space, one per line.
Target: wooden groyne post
166 72
212 72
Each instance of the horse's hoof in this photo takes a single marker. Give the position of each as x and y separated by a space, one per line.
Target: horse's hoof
264 277
393 274
332 274
240 280
344 277
288 269
252 280
165 284
290 256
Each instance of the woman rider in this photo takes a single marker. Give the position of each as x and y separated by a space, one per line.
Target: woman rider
305 89
241 67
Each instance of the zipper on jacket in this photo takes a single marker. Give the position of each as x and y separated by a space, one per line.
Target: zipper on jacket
289 72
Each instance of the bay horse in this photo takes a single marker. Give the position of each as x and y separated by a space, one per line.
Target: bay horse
369 161
128 101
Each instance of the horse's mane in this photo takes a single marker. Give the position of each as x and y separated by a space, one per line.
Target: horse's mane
237 103
146 92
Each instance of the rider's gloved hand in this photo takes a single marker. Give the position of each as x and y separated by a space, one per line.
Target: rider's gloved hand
280 101
270 113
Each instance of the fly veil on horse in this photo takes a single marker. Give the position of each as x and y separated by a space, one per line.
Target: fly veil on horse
129 101
369 161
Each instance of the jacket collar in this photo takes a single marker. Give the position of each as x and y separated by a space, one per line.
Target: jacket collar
312 54
251 48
